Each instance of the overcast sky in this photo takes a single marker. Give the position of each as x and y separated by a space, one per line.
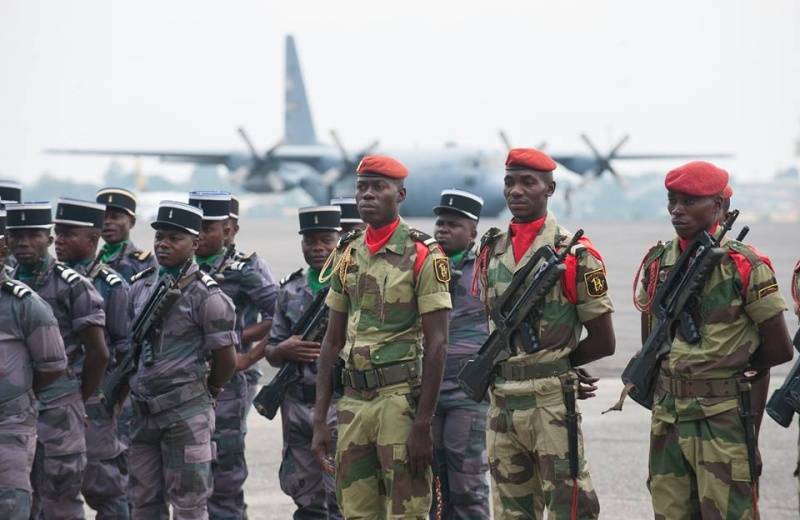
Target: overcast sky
688 76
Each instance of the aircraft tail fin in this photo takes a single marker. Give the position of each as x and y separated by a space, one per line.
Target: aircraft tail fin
298 125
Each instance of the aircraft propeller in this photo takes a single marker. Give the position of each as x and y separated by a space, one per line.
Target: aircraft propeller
267 163
349 162
604 161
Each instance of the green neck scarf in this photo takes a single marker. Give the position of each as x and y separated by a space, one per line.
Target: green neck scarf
210 259
312 275
172 271
26 273
109 251
455 258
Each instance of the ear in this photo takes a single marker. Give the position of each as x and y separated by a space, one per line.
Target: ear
551 188
133 221
401 194
473 232
50 240
195 242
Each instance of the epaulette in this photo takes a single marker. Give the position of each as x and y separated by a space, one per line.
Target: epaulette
348 237
140 255
68 275
489 238
111 278
423 238
236 266
653 254
294 276
562 240
143 274
745 251
207 279
243 257
18 289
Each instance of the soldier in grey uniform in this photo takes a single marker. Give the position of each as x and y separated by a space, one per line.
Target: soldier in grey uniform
119 253
249 292
251 314
351 219
78 225
61 446
301 476
191 359
32 356
459 426
10 191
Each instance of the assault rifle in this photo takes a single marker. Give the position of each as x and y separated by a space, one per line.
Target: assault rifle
785 401
673 305
516 313
310 327
148 322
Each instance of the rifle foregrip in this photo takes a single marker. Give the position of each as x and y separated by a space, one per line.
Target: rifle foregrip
474 379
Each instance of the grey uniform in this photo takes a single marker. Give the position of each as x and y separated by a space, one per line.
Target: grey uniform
61 445
301 476
29 341
459 426
106 479
251 294
171 451
130 260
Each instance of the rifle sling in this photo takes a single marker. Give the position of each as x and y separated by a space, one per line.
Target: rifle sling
517 372
686 388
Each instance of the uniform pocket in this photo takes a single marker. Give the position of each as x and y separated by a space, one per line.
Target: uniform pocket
197 453
740 470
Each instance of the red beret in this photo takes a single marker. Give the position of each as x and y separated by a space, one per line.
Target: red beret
529 159
697 178
727 192
382 165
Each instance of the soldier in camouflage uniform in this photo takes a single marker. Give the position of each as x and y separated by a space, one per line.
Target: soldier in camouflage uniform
699 464
172 390
388 303
61 446
119 253
301 476
250 314
459 426
31 357
529 452
248 290
77 230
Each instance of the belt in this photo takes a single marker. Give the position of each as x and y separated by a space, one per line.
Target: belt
700 387
382 376
303 393
517 372
171 399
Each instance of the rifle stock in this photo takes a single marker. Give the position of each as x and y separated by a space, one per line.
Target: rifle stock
785 401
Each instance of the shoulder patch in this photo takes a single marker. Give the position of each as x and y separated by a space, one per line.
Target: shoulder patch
141 255
18 289
294 276
596 283
143 274
348 237
766 291
68 275
441 267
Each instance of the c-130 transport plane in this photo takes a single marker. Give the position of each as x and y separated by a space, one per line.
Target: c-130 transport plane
300 160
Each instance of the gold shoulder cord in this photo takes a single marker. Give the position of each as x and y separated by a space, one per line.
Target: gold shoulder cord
340 267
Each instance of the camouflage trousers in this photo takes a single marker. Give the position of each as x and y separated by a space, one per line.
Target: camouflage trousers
171 464
372 476
529 459
60 461
105 481
302 478
229 468
699 469
17 448
459 438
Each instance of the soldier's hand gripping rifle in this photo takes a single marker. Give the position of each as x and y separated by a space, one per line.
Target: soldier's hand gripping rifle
672 307
147 323
310 327
515 313
785 401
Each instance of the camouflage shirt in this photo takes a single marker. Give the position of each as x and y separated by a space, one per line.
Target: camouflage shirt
468 325
202 320
728 316
294 297
115 292
76 305
560 327
131 260
29 341
384 299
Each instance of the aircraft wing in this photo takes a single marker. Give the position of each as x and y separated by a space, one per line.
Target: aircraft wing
230 159
667 156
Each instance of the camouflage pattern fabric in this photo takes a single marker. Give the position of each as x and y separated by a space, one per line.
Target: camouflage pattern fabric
459 426
172 446
384 300
698 457
106 478
131 260
252 295
61 445
796 298
302 478
29 341
527 438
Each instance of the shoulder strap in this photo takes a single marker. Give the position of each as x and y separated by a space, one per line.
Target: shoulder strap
140 255
15 288
651 263
111 278
293 276
68 275
207 280
348 237
489 239
143 274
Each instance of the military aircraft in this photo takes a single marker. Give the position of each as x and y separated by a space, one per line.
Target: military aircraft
300 160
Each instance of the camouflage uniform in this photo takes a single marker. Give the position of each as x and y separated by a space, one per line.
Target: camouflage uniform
796 298
171 451
61 445
459 426
384 301
106 479
29 341
698 455
527 437
301 477
251 294
129 260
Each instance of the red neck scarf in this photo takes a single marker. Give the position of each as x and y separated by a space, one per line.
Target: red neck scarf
523 234
376 238
683 242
